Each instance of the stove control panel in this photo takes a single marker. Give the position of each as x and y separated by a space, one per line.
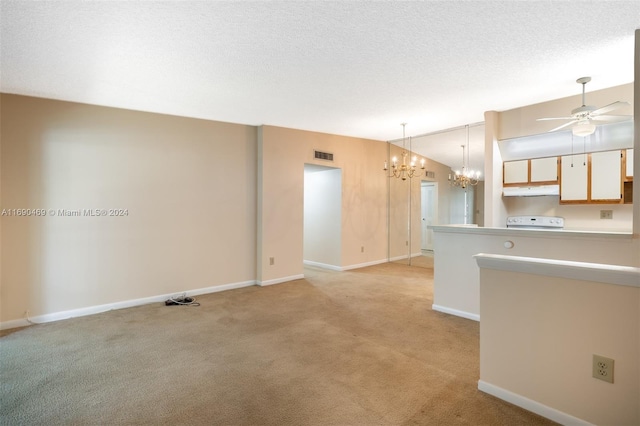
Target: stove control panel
532 222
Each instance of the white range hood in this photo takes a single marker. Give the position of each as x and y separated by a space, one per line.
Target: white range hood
530 191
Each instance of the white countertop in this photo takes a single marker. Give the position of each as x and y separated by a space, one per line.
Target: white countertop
541 233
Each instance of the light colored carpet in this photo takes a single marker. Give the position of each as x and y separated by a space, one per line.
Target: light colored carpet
361 347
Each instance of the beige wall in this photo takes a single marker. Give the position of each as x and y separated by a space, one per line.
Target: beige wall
538 336
207 203
495 212
400 192
282 156
188 185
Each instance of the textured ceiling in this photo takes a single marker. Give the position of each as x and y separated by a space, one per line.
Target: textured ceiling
349 68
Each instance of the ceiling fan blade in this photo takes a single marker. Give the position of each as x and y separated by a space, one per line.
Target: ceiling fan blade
609 107
611 118
564 125
554 118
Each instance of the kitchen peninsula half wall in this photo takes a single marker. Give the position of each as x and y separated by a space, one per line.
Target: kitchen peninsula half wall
456 283
542 323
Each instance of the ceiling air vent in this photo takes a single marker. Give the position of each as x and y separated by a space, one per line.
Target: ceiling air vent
323 155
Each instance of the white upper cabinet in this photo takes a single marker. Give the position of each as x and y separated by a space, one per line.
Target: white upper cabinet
606 170
592 178
538 171
544 169
516 172
573 177
629 163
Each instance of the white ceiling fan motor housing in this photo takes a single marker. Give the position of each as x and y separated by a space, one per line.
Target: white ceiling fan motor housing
583 111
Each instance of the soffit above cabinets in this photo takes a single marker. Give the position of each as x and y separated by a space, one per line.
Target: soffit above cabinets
607 137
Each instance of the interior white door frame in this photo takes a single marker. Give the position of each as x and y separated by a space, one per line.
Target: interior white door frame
428 212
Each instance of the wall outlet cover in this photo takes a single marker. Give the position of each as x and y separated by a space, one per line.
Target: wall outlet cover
603 368
606 214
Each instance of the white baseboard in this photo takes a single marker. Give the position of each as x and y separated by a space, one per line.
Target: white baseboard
364 265
451 311
355 266
403 257
91 310
395 259
223 287
531 405
280 280
349 267
322 265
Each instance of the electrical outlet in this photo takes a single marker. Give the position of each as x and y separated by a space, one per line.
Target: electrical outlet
362 249
603 368
272 260
606 214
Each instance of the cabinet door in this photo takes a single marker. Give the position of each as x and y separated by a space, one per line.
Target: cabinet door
629 163
573 177
606 175
544 170
516 172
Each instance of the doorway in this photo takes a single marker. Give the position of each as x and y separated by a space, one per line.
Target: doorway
322 235
461 205
428 212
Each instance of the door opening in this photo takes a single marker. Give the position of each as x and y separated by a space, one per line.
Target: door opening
322 236
429 212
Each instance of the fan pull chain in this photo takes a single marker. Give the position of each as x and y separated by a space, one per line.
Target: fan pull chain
572 149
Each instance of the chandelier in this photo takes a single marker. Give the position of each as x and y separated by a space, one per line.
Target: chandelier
465 177
404 170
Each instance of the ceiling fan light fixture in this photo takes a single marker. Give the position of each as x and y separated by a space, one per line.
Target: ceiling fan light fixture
583 129
582 117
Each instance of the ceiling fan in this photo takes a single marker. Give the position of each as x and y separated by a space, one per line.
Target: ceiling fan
586 117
